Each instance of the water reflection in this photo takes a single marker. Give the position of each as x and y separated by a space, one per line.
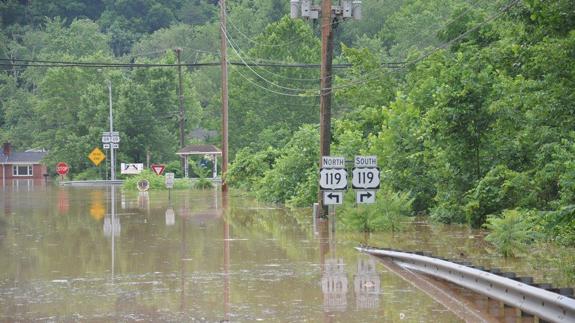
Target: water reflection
367 284
334 285
180 259
170 217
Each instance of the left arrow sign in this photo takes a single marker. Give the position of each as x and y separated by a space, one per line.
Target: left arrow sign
332 197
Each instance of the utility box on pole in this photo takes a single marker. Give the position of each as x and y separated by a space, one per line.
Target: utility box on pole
294 9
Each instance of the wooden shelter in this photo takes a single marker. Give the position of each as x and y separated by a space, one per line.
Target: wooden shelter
205 150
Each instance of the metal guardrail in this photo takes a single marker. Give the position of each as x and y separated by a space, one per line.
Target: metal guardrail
539 302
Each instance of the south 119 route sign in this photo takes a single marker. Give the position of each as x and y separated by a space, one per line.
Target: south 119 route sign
365 179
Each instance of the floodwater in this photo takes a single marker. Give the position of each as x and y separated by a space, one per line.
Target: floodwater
102 254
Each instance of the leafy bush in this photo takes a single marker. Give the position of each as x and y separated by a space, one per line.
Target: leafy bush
249 167
174 167
202 182
388 213
289 179
156 182
511 233
501 188
89 173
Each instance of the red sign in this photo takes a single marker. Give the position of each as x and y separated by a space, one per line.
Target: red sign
62 168
158 169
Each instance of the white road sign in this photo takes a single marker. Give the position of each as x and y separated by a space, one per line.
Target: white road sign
332 162
169 180
131 168
364 197
365 178
332 179
365 161
331 198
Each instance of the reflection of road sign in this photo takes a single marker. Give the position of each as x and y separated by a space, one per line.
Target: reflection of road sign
330 198
158 169
96 156
365 197
62 168
170 216
143 185
170 180
332 162
332 179
365 178
131 168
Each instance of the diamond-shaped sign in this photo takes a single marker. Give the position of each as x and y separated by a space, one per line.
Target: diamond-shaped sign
96 156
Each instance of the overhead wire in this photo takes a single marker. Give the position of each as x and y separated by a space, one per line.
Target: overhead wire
510 4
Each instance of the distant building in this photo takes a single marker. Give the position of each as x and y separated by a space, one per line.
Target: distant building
21 165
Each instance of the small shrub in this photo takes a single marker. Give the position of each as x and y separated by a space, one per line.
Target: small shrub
388 213
510 233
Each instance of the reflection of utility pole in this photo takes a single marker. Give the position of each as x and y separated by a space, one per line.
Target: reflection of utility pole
329 15
112 161
224 65
180 98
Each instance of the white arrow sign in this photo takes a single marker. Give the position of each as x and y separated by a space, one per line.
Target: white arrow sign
331 198
365 197
332 179
365 178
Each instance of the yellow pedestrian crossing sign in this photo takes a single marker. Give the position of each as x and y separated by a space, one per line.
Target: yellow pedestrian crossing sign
96 156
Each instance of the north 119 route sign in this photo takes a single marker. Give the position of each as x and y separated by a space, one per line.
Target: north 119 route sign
333 179
332 175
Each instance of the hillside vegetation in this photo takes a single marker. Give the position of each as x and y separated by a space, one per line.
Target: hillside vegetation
468 105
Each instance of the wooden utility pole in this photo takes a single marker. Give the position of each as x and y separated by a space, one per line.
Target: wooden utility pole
180 97
325 90
224 66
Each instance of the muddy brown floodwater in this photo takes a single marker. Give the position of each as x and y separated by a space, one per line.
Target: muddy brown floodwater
102 254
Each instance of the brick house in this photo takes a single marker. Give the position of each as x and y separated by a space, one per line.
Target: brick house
21 165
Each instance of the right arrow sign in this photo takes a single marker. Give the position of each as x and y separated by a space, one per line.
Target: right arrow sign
365 197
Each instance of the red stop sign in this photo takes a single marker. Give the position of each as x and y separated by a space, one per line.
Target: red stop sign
62 168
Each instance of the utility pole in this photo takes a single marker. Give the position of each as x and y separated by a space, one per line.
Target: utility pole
325 91
112 161
224 66
329 15
181 101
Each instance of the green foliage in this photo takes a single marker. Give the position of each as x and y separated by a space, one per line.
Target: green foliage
202 182
511 233
290 179
156 182
249 168
389 213
500 189
89 174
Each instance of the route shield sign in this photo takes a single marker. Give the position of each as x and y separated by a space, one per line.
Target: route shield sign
331 198
96 156
333 179
365 178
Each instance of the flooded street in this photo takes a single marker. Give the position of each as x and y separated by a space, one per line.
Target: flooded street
101 254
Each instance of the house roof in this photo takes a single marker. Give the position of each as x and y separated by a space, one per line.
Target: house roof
199 150
29 157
